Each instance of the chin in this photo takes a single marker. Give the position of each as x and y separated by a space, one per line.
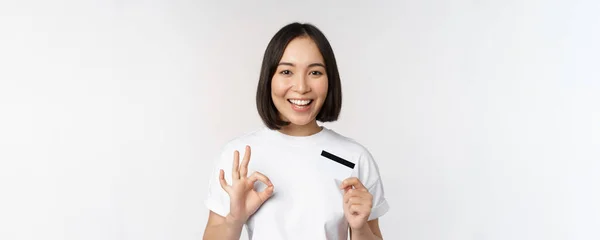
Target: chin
301 121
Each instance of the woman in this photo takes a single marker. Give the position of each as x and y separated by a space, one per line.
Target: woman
320 184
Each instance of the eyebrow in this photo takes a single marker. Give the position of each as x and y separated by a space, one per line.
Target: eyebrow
311 65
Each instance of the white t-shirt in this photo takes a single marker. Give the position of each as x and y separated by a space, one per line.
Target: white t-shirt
306 174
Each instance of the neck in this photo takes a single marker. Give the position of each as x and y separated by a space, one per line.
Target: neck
301 130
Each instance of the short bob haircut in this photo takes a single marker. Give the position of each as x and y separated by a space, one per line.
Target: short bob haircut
332 106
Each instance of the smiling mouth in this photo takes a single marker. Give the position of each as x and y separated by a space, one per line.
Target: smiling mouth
300 103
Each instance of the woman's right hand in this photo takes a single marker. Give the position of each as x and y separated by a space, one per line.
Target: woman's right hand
244 200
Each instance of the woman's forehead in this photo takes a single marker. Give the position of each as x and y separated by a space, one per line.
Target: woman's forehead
302 51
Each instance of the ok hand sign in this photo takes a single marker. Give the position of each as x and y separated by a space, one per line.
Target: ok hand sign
244 200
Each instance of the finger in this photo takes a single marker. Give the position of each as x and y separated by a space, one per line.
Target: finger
358 209
266 194
348 194
347 189
364 203
346 183
354 200
235 174
354 209
222 180
365 197
354 182
256 176
355 193
245 161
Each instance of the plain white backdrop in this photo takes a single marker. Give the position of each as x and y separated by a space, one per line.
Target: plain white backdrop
484 116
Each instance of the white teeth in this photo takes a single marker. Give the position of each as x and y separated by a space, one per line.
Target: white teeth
300 102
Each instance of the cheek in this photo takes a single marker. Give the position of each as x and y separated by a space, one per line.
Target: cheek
278 88
321 88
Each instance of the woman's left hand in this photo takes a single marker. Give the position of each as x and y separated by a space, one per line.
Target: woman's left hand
357 203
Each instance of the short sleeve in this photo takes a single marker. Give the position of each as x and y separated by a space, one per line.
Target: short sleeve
217 199
368 174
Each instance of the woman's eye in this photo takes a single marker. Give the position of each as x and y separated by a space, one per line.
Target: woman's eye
286 72
316 73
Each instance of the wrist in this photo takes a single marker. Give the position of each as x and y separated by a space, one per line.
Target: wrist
234 222
364 230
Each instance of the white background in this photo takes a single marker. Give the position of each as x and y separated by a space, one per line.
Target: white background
484 116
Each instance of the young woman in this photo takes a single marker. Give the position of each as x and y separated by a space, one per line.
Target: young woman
296 180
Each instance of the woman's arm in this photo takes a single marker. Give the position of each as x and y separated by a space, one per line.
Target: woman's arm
219 227
371 232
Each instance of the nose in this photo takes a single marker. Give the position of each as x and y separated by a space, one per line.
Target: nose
300 84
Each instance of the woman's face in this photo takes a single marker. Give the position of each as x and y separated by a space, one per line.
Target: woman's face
299 86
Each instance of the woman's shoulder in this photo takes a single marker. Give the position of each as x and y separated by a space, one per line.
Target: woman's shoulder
347 142
246 137
357 153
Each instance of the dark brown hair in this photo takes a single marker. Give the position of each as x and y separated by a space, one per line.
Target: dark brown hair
332 106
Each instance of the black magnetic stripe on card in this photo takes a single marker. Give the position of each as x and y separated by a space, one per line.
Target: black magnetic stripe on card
337 159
